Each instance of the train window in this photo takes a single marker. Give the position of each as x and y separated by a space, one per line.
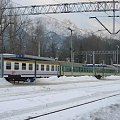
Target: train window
8 65
66 68
37 67
81 69
52 68
47 67
76 69
56 68
23 66
42 67
30 67
16 66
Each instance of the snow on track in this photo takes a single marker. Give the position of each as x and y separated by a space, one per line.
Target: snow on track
65 80
20 102
4 82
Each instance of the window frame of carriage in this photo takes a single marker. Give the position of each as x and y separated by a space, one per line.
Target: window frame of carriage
16 66
8 65
52 68
23 66
37 67
30 66
42 67
47 67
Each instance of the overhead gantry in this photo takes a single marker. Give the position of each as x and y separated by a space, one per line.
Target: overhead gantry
99 6
102 6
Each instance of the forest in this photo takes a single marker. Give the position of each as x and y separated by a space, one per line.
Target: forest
48 37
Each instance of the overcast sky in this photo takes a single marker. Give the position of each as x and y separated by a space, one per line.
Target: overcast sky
33 2
81 20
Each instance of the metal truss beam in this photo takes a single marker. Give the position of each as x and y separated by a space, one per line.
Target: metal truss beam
96 52
65 8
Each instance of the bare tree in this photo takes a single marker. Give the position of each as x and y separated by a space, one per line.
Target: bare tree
3 21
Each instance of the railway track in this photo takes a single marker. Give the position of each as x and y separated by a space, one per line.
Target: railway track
71 107
41 109
35 93
45 91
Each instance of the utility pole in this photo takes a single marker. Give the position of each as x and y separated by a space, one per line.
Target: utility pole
113 16
117 58
39 48
1 40
71 50
71 45
94 73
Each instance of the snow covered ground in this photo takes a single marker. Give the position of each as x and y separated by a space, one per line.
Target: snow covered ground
18 102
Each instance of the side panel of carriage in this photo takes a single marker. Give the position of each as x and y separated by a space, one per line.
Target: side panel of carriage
78 69
27 69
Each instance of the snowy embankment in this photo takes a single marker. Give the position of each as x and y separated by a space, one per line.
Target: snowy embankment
64 80
20 102
4 82
110 112
112 77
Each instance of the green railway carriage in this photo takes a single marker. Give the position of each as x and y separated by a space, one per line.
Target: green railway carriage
79 69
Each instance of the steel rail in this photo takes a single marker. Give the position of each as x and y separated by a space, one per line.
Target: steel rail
71 107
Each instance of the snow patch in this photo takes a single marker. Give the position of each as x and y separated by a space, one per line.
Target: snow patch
4 82
111 112
64 79
112 77
20 102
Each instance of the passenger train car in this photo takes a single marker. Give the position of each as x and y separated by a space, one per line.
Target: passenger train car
24 68
79 69
27 68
